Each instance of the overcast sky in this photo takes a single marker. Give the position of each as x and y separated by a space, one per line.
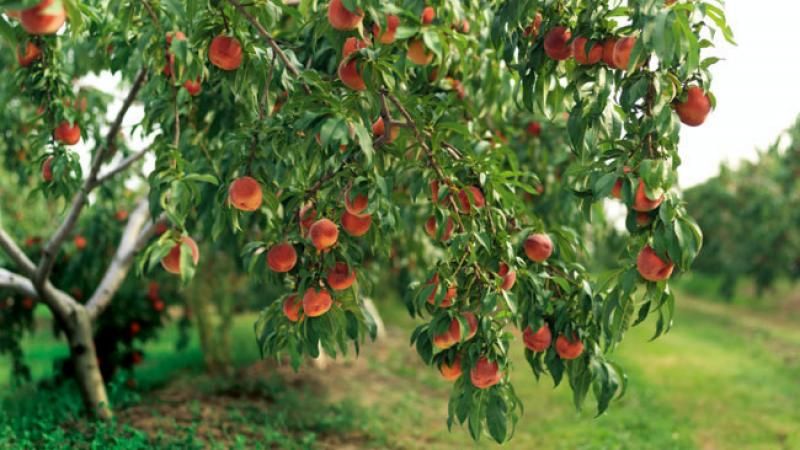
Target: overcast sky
757 88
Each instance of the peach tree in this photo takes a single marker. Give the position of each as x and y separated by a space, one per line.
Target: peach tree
330 135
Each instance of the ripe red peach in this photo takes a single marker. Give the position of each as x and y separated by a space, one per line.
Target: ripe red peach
539 340
608 52
651 266
509 276
355 204
354 225
29 55
427 16
172 262
532 30
351 45
556 43
343 19
67 134
616 191
306 217
449 337
350 76
225 52
178 35
80 242
291 307
379 129
463 26
134 328
316 302
418 54
472 322
472 198
485 374
432 228
341 277
586 56
695 109
569 348
641 202
324 234
538 247
44 18
282 257
245 194
449 296
387 37
47 169
451 371
534 129
622 52
193 87
643 219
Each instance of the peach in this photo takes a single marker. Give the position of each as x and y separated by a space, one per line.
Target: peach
556 43
306 217
350 76
569 348
172 262
694 110
281 257
80 242
641 202
340 277
435 192
225 52
532 30
387 37
463 26
379 129
245 194
651 266
45 18
47 169
472 322
67 134
193 87
509 276
31 54
121 215
316 302
448 338
643 219
458 87
291 307
355 205
158 305
485 374
343 19
584 56
451 371
324 234
351 45
354 225
447 300
432 228
608 52
616 191
170 57
134 328
152 291
534 129
427 16
474 197
622 52
418 54
538 247
537 341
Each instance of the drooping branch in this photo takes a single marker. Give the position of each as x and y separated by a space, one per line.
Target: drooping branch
137 232
122 166
16 282
50 250
270 40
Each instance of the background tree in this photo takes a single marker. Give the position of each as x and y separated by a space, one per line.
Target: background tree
313 130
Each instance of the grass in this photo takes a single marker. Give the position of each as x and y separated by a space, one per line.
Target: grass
725 377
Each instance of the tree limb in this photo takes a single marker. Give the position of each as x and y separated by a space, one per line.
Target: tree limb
16 282
137 232
122 166
50 250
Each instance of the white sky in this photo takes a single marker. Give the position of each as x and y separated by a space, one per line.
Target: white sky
757 88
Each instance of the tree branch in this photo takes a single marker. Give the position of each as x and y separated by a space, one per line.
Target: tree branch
122 166
270 40
50 251
16 254
16 282
136 234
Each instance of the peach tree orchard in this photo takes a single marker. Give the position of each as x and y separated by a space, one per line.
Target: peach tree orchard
322 131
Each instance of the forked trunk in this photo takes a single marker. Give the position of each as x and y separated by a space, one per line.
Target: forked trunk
84 361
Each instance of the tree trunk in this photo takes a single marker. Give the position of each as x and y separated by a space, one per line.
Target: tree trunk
84 361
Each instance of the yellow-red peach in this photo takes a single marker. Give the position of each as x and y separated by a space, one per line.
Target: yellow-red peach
80 242
44 18
387 37
539 340
643 219
418 54
451 371
343 19
341 277
449 337
67 134
472 322
427 16
29 55
324 234
178 35
608 52
350 76
651 266
225 52
245 194
291 307
532 30
473 197
569 348
432 228
641 202
449 296
556 43
586 56
509 276
622 52
351 45
306 217
538 247
485 374
354 225
316 302
695 109
379 129
172 262
282 257
355 204
193 87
